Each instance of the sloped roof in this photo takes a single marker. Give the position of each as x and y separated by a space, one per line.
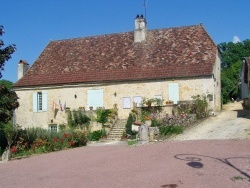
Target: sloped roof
166 53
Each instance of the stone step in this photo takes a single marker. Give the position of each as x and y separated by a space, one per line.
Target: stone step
115 135
117 130
117 138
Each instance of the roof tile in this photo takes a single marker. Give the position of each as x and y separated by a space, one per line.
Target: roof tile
167 53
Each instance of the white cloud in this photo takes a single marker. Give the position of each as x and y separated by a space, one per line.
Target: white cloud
236 39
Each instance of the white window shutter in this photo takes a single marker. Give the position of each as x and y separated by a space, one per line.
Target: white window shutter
35 102
44 101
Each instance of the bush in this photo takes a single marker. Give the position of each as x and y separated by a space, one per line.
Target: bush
174 120
78 118
103 115
95 135
155 123
3 142
38 140
170 130
200 106
129 123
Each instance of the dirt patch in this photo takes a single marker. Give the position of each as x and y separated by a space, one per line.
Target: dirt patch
231 123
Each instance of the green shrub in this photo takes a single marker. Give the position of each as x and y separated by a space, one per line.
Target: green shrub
83 118
37 140
129 123
103 115
95 135
170 130
155 123
62 127
78 118
71 122
200 106
131 142
3 142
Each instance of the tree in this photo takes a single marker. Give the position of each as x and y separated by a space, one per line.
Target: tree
8 98
232 55
232 52
7 83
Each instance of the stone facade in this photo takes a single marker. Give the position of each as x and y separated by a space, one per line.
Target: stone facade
75 96
116 70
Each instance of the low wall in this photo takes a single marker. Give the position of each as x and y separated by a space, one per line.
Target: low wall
246 103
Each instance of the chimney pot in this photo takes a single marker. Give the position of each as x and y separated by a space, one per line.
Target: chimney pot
23 66
140 29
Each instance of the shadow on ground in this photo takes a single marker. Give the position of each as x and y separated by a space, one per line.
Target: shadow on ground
243 114
195 161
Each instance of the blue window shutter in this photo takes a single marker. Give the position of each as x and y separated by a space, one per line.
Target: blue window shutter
35 102
95 98
174 92
44 101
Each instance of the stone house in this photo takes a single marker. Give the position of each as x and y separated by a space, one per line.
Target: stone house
245 82
122 68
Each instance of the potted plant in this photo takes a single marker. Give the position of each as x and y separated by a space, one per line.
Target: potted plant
147 121
104 133
169 102
124 136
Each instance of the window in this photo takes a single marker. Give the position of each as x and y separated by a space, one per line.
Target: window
138 101
173 92
53 128
40 101
158 97
126 102
95 98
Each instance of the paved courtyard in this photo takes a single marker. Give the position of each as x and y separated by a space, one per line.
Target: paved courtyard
215 154
202 163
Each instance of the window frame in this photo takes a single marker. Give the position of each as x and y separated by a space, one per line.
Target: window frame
40 100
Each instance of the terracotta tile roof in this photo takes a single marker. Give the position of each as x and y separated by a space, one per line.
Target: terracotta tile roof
167 53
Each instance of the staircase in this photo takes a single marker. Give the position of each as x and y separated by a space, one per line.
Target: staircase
117 130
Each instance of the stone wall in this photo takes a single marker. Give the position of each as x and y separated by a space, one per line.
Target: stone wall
113 93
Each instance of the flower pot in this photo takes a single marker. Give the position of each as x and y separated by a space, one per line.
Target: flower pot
148 123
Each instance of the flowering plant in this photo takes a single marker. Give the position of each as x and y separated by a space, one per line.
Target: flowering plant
13 149
147 118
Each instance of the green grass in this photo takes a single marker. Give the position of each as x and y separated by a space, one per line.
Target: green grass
131 142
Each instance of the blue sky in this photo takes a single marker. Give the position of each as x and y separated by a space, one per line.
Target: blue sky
32 24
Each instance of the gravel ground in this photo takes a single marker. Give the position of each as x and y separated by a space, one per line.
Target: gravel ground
231 123
185 163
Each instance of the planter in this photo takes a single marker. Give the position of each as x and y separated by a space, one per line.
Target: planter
6 156
149 104
135 127
148 123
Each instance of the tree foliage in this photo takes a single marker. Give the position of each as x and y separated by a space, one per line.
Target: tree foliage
233 52
5 53
8 98
232 55
8 84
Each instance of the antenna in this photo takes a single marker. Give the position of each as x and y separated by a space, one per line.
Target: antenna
145 8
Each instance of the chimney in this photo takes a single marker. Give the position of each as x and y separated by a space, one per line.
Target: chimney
140 29
23 66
